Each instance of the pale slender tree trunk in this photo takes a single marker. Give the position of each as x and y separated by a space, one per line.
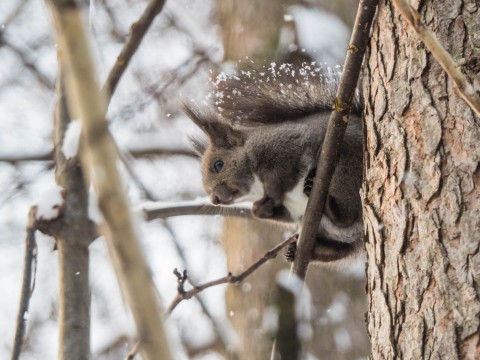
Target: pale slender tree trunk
422 188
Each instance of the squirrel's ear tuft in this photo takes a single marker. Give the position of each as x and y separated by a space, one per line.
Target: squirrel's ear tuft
220 132
199 144
197 116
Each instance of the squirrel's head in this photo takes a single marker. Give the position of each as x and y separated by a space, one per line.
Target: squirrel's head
226 173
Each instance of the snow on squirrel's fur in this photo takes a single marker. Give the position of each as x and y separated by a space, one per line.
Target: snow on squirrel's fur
301 92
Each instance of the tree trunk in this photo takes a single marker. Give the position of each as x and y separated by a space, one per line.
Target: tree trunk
421 192
72 237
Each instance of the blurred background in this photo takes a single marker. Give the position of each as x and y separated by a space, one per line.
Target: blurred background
189 43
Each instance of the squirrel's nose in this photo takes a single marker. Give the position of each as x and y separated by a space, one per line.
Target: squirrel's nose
220 199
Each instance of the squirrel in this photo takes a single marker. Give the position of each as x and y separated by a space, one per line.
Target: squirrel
264 132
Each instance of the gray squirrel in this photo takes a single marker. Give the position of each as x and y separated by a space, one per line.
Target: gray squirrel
264 134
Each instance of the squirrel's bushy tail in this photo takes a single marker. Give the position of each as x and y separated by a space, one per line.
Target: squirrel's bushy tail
277 93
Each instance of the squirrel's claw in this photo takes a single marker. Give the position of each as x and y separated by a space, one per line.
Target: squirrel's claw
291 250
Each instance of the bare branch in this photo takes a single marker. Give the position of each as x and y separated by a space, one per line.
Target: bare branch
220 331
115 28
137 32
100 158
13 15
463 86
136 152
28 62
158 91
22 157
182 294
28 281
337 125
193 208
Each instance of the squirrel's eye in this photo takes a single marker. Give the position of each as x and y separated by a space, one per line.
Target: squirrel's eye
218 165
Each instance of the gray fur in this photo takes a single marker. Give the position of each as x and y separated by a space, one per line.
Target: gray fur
277 94
275 133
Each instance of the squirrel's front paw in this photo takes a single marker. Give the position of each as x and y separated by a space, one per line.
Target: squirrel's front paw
263 208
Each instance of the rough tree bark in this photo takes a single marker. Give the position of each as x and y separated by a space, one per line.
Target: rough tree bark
421 194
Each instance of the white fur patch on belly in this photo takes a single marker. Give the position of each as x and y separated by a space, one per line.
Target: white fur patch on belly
296 201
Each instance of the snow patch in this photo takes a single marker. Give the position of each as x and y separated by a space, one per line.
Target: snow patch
49 202
342 339
72 139
270 320
94 213
337 311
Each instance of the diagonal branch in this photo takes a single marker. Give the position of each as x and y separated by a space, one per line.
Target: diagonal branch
337 125
137 32
232 279
464 88
28 63
182 278
220 331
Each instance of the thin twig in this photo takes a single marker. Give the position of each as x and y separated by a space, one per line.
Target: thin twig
28 281
463 86
26 60
137 32
220 331
116 33
10 18
132 353
182 294
337 125
128 163
29 63
177 77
